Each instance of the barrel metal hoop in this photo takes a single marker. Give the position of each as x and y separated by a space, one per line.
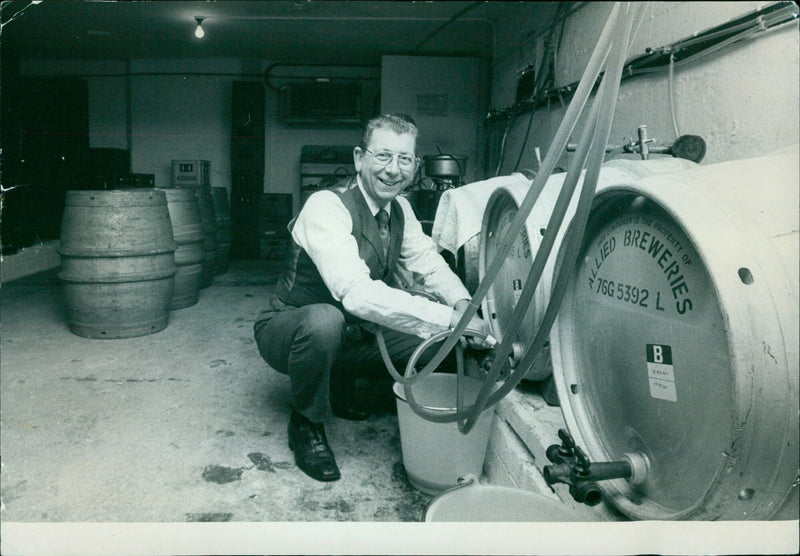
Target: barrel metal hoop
100 253
120 278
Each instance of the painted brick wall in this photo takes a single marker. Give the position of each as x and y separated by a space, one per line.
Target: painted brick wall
743 101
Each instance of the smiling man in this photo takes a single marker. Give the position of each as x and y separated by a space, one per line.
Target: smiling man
351 243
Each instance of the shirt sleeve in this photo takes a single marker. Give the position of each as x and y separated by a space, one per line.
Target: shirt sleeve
324 230
420 258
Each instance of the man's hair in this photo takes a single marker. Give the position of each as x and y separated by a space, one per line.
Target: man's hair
397 122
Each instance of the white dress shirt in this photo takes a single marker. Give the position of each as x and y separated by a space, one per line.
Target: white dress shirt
324 230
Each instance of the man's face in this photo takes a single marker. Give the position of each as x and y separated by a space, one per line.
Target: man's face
385 180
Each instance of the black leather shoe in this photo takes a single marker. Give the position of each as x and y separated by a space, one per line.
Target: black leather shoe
311 451
349 411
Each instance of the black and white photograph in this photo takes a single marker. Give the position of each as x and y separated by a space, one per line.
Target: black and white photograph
399 277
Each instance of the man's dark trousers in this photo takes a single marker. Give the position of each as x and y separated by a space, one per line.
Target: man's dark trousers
314 345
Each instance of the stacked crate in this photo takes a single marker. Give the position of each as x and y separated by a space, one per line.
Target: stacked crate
191 173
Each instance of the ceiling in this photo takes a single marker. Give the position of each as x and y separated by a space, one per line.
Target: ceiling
295 31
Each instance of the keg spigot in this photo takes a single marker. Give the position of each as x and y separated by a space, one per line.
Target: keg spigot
486 362
586 492
573 467
644 150
564 452
485 365
581 465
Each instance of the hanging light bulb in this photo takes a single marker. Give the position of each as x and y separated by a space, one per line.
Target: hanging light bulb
199 32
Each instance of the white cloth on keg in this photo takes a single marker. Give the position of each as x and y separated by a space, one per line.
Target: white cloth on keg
459 215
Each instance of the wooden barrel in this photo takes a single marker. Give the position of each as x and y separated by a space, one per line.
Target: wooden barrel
208 223
184 212
224 234
502 297
677 340
117 262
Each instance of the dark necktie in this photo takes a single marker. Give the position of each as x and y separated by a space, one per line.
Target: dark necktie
383 230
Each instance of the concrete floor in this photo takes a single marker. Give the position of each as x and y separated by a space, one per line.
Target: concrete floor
188 426
185 425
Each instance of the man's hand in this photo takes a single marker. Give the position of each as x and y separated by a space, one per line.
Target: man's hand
475 324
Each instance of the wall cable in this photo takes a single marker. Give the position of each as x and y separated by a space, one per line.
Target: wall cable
501 154
574 8
439 29
542 78
670 87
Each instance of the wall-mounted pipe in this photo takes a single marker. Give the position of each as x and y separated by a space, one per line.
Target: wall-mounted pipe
268 72
689 147
682 52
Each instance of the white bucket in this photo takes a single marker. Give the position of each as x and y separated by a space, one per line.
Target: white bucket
436 455
489 503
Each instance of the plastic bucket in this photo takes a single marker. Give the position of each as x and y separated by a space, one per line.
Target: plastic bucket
436 455
487 503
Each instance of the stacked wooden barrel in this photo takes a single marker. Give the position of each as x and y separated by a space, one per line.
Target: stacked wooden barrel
117 262
187 230
208 223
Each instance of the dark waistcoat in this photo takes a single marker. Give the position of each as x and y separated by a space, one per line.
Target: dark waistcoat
300 284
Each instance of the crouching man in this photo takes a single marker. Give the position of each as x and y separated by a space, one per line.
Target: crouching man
349 244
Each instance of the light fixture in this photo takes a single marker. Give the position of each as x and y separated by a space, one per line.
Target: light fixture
199 32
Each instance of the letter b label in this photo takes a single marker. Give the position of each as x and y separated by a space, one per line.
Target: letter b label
658 353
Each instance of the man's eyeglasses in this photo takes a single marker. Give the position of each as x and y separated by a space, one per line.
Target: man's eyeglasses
405 161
